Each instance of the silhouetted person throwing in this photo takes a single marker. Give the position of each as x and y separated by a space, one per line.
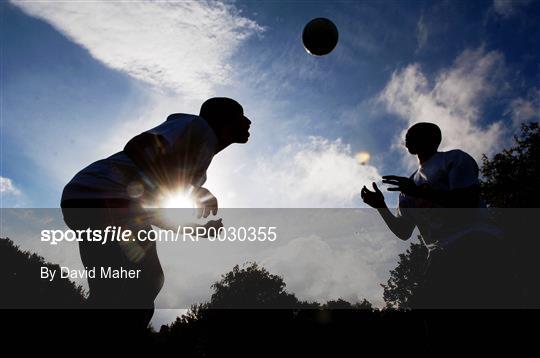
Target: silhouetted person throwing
172 156
460 265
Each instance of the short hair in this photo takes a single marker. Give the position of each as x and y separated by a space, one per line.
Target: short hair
216 108
429 132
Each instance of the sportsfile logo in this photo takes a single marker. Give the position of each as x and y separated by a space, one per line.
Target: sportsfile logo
182 234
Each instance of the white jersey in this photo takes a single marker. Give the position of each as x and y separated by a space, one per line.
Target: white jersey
450 170
180 149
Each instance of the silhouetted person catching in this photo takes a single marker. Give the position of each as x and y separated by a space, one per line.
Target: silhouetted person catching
172 156
461 264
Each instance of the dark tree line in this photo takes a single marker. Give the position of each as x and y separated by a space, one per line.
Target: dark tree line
511 177
22 286
250 305
406 278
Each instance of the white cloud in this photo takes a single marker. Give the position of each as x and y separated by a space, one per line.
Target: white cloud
10 195
311 172
454 101
318 269
7 187
525 109
508 8
421 33
178 46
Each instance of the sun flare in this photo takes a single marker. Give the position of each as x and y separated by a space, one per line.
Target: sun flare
177 199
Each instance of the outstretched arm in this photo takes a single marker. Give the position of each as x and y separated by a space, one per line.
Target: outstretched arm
400 226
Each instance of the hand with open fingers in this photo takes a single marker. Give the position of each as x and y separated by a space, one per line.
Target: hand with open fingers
403 184
206 203
374 198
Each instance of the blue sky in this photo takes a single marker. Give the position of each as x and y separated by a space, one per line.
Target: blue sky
79 79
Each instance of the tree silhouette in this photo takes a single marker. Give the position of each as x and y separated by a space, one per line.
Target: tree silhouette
274 318
510 179
22 286
251 287
342 304
405 280
41 305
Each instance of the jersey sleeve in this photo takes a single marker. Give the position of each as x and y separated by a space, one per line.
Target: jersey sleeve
462 170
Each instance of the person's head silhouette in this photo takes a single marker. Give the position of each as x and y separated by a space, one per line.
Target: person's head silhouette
226 117
423 138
